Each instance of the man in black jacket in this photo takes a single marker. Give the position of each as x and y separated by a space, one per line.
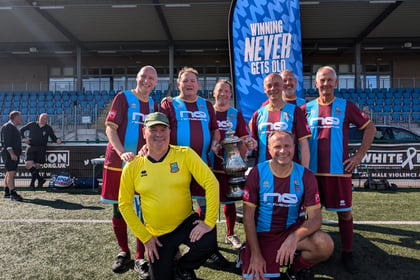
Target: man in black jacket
37 140
12 148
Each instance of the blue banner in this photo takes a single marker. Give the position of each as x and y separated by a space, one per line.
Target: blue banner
264 38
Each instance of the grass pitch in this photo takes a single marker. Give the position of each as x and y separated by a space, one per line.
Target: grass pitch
67 234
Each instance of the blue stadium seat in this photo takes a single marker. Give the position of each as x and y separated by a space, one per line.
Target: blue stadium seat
415 117
406 93
406 101
392 90
362 95
370 101
395 117
386 108
342 90
380 95
50 111
359 90
346 95
389 95
416 109
24 110
17 97
396 108
32 98
4 119
377 108
416 101
406 108
388 101
41 97
397 101
371 95
354 95
384 90
58 111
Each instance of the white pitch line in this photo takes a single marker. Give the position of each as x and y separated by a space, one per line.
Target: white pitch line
376 222
220 221
52 221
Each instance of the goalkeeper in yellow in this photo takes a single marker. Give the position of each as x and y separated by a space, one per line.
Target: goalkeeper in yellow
162 179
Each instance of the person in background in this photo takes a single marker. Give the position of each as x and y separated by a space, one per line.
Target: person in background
279 115
162 179
329 119
12 149
276 235
289 89
228 118
123 128
35 135
193 124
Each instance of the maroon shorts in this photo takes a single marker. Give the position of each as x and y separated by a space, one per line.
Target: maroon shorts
269 244
110 186
335 193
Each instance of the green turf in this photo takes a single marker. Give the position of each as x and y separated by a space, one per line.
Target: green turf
60 248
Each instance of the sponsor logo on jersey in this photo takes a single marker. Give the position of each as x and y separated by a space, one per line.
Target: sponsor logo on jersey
224 125
327 122
317 199
138 118
342 202
143 173
278 199
194 116
174 167
273 126
112 114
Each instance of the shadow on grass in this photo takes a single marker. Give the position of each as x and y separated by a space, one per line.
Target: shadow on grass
373 262
60 204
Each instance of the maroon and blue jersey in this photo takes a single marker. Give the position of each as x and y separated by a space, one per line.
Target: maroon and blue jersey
127 114
289 118
191 124
278 200
237 124
329 124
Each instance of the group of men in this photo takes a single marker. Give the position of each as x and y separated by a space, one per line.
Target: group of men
35 134
300 146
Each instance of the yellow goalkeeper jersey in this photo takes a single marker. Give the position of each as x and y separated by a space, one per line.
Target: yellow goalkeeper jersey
164 190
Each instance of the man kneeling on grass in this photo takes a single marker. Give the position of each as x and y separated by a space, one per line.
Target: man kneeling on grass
276 190
162 179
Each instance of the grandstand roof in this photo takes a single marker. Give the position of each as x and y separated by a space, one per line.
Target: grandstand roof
126 27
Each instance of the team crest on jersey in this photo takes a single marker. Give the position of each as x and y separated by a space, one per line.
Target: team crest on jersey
179 105
174 167
133 105
286 116
43 133
296 185
112 114
338 111
266 184
201 107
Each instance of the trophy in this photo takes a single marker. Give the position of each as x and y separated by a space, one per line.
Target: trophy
234 165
